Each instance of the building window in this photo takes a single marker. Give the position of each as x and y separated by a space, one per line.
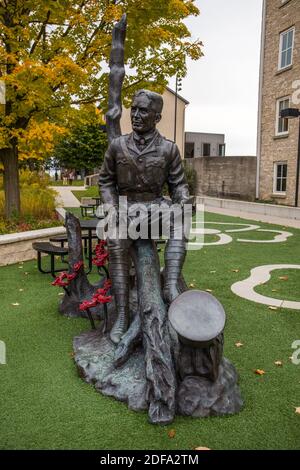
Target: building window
280 177
282 124
206 150
221 150
189 150
286 47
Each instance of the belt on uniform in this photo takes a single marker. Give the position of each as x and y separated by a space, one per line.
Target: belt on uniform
140 197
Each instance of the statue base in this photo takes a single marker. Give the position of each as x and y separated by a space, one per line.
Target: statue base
197 396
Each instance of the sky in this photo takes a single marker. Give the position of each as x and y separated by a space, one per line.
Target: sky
222 87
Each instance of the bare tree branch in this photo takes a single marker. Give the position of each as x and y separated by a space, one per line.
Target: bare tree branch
42 31
95 32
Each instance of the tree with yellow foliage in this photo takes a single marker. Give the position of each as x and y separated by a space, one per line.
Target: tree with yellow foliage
53 56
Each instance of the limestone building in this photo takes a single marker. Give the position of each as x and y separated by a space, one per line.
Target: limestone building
277 147
204 144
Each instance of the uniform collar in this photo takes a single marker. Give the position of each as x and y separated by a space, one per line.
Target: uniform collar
144 139
151 142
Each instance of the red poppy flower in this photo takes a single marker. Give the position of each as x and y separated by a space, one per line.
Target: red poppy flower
100 260
77 266
59 280
107 284
103 299
87 304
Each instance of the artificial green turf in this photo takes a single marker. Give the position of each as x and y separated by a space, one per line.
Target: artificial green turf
45 405
284 284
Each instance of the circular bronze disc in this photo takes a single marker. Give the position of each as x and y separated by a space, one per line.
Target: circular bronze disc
197 317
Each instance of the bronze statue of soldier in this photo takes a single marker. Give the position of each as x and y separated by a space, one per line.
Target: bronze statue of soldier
169 361
137 166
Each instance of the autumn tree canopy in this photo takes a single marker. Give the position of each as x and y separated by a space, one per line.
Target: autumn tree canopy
53 58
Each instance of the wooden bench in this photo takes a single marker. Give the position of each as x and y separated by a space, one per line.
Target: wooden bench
52 250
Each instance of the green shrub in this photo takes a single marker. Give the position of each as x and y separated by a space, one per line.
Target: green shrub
37 200
37 204
28 178
191 176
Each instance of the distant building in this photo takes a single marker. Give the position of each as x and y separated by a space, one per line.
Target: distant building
167 124
200 144
277 147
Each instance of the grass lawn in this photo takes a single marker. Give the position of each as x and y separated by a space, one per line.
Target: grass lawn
45 405
60 183
92 191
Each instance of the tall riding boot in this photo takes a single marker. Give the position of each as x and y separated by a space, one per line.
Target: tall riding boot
119 273
174 258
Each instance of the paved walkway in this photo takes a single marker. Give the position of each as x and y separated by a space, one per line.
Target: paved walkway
65 197
260 275
251 216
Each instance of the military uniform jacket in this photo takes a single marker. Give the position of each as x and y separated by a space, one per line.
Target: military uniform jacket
129 171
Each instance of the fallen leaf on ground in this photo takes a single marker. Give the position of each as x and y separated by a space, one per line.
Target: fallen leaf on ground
192 285
61 293
208 290
278 363
202 448
21 290
239 345
297 410
15 304
235 270
172 433
72 354
284 278
259 372
271 307
20 267
26 273
274 290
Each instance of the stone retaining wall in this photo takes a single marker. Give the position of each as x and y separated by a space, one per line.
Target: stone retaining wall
17 247
225 177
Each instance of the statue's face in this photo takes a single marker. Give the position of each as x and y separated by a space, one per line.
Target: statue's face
143 117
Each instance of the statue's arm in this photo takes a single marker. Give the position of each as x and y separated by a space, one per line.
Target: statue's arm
177 184
108 177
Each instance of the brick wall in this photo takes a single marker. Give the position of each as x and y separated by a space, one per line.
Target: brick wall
278 84
232 177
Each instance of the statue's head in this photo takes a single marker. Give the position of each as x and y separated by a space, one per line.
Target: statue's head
146 111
